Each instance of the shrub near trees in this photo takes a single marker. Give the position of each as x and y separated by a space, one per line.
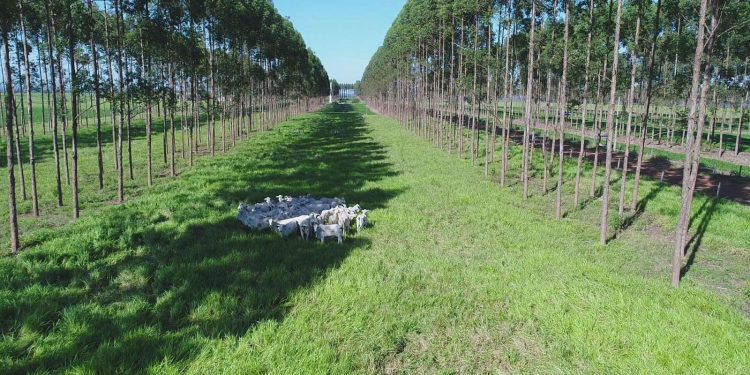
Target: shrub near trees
207 72
624 72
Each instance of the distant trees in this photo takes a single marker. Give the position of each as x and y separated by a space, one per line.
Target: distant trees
191 66
561 58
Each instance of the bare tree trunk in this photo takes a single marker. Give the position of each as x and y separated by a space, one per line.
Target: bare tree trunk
633 62
173 98
95 62
582 149
474 97
144 77
32 160
113 103
74 110
527 111
55 147
610 123
10 111
644 126
696 119
561 111
507 117
121 123
20 127
738 141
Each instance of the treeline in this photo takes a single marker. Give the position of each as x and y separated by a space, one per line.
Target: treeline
205 73
634 73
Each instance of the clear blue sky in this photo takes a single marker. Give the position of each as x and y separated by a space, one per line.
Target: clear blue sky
343 33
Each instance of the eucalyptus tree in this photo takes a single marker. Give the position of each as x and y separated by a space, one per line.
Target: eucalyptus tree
701 75
561 112
610 129
28 83
528 115
8 12
142 56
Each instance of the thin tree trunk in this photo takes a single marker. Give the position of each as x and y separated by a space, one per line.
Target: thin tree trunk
55 146
32 160
527 111
121 122
561 111
73 109
97 98
644 125
10 111
624 179
610 124
584 107
144 77
738 141
173 98
696 119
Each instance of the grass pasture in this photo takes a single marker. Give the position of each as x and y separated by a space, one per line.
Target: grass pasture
456 275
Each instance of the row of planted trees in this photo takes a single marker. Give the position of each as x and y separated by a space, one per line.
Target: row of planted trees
207 73
474 75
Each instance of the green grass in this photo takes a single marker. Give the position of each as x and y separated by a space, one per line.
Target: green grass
90 197
456 275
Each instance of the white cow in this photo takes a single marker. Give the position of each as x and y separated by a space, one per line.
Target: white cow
362 220
332 230
284 228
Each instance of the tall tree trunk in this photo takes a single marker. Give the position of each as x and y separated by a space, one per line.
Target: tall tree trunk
738 141
144 78
561 111
584 106
113 104
644 125
73 109
696 118
32 160
10 111
507 112
527 111
55 147
64 110
631 98
97 99
121 102
173 98
18 129
610 132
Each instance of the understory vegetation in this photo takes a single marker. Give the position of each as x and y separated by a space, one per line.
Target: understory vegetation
455 274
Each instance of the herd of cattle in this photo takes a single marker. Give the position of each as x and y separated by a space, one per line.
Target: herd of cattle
322 218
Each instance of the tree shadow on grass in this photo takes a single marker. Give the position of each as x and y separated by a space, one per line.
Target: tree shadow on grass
707 210
152 282
640 208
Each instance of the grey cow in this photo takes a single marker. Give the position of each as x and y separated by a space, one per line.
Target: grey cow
332 230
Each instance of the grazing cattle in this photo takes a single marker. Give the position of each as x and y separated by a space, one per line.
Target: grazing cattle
288 215
345 220
362 220
284 228
305 226
333 230
253 221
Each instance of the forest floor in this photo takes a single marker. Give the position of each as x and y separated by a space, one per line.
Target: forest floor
726 157
666 168
455 274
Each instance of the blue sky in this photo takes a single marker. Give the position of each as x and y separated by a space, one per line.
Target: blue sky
343 33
